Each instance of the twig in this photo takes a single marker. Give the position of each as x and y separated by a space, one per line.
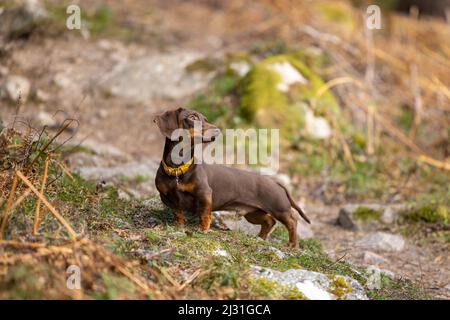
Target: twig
8 206
52 209
65 169
38 203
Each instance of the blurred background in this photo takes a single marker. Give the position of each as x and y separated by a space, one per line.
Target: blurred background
364 114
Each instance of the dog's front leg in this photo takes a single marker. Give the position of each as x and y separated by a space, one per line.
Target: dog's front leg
179 218
205 207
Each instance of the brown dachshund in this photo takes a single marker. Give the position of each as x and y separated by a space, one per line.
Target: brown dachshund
202 188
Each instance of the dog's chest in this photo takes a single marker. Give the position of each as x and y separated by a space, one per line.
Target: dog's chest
177 195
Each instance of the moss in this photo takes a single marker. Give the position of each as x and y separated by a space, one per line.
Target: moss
338 13
203 65
430 213
269 289
367 214
340 287
263 103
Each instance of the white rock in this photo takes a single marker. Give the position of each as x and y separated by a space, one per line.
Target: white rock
136 80
240 67
313 292
102 148
280 254
221 253
128 170
389 216
17 87
382 241
314 285
447 287
372 258
288 74
42 95
316 127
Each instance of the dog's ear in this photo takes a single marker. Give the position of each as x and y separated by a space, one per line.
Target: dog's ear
167 122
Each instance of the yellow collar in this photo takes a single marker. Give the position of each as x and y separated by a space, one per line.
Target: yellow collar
178 171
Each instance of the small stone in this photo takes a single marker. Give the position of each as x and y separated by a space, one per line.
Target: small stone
447 287
280 254
372 258
382 241
389 216
221 253
17 87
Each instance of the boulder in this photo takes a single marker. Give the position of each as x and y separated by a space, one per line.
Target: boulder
367 217
273 91
21 18
136 80
382 241
314 285
371 258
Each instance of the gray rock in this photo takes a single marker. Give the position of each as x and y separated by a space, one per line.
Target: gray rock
371 258
314 285
16 87
382 241
136 80
280 254
21 18
103 149
387 215
128 170
447 287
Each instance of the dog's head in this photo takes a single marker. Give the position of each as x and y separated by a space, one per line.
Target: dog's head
190 120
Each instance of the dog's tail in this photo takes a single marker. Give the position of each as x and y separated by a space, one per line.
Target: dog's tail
293 204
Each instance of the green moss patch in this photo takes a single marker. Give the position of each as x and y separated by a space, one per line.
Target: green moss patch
367 214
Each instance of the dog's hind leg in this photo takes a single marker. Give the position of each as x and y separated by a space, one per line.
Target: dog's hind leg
266 221
291 225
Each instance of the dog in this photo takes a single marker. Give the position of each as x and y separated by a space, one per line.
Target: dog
202 188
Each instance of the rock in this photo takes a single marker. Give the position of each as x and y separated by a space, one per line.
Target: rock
367 217
280 254
288 75
389 216
234 222
16 87
21 18
447 287
272 90
3 70
382 241
314 285
240 67
372 258
316 127
128 170
135 80
221 253
46 119
103 149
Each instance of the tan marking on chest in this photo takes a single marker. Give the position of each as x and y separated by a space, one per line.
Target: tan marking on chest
186 187
162 187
